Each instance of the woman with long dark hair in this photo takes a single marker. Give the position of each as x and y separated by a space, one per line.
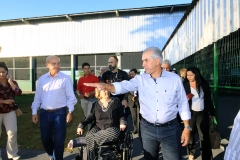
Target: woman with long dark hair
202 108
8 90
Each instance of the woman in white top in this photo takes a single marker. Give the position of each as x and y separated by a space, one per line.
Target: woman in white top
201 107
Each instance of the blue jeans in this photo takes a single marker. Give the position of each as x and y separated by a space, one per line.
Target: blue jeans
167 137
53 132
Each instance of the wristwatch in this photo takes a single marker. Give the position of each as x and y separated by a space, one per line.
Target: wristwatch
188 127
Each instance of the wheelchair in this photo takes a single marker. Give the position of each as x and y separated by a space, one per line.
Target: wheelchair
121 149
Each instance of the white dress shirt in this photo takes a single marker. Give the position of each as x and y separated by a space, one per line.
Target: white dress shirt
197 102
161 100
233 148
54 92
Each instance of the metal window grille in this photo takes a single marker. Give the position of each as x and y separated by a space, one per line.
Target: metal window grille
19 68
226 63
85 58
132 60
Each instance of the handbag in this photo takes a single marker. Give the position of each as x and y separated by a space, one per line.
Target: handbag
18 110
214 135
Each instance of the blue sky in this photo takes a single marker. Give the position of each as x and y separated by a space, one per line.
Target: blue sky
15 9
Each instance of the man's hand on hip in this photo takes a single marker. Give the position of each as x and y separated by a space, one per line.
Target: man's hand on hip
87 94
80 96
69 117
35 118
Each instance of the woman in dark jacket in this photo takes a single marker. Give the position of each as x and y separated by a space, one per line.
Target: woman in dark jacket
108 115
202 108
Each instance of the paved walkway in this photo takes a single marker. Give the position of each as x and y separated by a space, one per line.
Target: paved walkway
36 155
218 154
137 154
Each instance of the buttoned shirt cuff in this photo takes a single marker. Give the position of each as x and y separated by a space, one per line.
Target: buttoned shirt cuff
117 88
185 115
34 111
80 125
70 109
123 122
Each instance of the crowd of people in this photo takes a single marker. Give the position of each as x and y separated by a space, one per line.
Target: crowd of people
158 100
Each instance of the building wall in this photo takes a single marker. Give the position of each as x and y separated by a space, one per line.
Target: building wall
131 33
27 70
24 47
209 21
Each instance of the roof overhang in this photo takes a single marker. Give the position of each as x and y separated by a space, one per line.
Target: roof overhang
107 13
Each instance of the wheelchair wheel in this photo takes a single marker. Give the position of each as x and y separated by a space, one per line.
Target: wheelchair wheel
128 146
79 156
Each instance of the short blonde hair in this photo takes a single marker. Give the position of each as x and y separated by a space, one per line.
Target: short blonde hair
97 94
183 72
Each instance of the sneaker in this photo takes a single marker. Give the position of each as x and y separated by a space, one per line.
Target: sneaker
16 158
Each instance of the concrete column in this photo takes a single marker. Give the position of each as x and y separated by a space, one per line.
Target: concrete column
119 56
32 62
95 65
73 70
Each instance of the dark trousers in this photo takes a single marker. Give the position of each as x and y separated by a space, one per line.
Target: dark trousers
53 132
200 123
135 118
166 137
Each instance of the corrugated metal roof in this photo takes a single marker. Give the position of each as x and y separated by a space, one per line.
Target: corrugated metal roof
97 13
191 7
131 33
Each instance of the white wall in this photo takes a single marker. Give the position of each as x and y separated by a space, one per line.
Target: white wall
209 21
106 35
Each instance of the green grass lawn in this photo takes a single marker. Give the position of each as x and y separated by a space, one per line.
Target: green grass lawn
29 133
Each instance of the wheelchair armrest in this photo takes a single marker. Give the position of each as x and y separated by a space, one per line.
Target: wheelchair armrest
77 143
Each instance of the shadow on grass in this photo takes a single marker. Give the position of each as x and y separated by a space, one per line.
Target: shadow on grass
29 133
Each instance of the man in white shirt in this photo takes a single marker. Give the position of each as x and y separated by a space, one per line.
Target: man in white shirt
103 69
133 104
160 93
54 94
233 148
166 65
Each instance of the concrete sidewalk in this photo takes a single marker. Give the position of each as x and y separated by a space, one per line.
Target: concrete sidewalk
36 154
25 154
218 154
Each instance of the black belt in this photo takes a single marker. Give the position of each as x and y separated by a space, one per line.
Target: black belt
160 124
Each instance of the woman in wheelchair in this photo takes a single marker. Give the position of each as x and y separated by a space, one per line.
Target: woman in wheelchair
108 116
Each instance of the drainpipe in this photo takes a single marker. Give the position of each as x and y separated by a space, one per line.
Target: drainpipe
215 72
